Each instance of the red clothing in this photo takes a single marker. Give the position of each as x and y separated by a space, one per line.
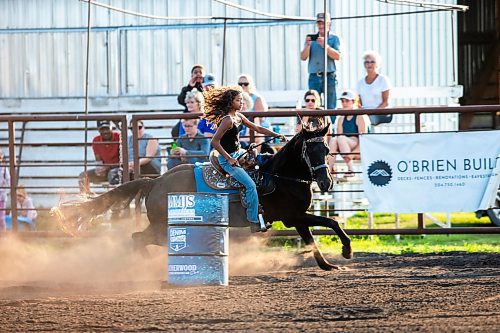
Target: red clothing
109 152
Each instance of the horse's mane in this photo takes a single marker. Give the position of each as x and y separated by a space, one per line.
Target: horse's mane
280 158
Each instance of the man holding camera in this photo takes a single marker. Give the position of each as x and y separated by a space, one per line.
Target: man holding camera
314 49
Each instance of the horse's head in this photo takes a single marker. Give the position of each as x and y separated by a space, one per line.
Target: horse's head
314 153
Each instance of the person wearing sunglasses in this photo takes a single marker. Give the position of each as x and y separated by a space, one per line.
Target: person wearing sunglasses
312 102
149 153
258 104
374 88
4 184
346 141
314 50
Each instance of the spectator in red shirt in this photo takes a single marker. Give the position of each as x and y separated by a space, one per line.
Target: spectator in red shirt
106 147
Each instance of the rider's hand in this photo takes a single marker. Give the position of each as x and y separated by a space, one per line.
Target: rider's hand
281 137
233 162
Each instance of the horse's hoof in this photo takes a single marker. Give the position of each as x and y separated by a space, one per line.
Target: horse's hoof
347 252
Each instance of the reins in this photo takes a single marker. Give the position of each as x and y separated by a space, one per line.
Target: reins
298 180
252 146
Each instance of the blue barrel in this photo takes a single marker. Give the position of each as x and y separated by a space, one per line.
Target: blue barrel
198 239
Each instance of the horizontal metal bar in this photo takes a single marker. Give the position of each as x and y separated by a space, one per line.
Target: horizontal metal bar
293 233
416 231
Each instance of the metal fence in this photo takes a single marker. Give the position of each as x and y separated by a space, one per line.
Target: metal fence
14 146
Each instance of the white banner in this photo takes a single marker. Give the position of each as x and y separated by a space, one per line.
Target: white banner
430 172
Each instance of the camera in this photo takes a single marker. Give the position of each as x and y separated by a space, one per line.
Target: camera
313 36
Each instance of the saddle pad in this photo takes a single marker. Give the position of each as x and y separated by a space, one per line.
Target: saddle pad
201 185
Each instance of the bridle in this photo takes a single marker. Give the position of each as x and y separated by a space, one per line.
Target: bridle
312 169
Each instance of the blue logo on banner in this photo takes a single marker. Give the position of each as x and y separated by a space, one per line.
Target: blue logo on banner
379 173
177 238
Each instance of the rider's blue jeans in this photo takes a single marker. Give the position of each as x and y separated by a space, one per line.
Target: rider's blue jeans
240 175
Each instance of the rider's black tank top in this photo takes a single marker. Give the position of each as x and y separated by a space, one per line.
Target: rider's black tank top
230 141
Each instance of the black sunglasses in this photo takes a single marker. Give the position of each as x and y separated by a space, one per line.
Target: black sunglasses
310 100
246 84
139 127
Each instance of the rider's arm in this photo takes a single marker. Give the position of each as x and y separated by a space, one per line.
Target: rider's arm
223 127
257 128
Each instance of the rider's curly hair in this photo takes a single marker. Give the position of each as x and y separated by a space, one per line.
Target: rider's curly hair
218 103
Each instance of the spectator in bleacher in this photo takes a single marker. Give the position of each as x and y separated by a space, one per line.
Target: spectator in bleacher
4 184
312 102
106 147
194 103
195 83
374 88
246 107
149 153
191 147
258 104
26 212
314 50
346 142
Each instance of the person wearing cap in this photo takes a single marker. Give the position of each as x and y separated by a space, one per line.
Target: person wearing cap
313 50
209 82
106 148
4 184
346 142
374 88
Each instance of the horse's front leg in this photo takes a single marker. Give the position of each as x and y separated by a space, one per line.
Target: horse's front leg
320 221
306 235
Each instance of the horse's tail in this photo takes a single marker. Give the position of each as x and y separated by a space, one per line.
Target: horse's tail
81 212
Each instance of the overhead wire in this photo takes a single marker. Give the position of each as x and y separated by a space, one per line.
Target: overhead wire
284 18
425 4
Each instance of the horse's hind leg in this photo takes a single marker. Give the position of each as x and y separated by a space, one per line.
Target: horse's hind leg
150 236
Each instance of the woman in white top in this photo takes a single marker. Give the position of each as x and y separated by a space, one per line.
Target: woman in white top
374 88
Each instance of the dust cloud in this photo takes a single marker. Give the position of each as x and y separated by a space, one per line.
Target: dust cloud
251 256
109 258
105 258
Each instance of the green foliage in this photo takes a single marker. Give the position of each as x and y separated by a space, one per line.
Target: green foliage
406 243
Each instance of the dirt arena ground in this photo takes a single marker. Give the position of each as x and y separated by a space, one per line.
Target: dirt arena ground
100 286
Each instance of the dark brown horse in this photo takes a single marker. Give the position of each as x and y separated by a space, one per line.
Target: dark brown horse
293 169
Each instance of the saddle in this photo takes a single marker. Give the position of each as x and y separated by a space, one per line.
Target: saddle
216 178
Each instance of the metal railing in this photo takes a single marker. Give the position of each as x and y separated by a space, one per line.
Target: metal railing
417 112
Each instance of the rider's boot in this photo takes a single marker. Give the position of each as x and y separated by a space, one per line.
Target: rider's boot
258 227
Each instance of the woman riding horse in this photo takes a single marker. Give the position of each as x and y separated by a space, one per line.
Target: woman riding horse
293 169
222 106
